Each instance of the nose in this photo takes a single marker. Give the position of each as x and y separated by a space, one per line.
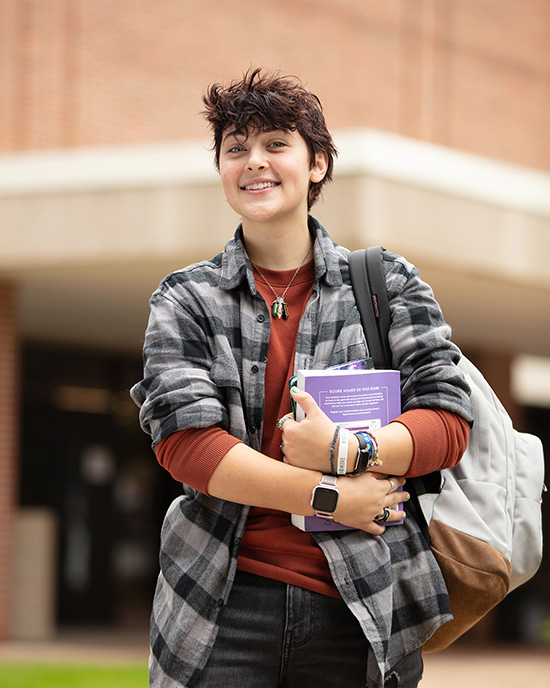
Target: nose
256 158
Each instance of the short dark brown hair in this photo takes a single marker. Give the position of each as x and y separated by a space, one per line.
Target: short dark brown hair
268 101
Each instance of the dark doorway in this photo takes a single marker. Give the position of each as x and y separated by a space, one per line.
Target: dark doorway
85 458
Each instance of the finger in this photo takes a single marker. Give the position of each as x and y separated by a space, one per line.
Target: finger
389 515
383 516
394 483
306 402
395 515
398 480
396 498
283 420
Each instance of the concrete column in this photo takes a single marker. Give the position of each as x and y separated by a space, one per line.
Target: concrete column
34 575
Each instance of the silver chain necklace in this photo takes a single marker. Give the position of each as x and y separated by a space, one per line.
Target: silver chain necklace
279 307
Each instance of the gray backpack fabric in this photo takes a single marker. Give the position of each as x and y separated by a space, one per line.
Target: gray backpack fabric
483 518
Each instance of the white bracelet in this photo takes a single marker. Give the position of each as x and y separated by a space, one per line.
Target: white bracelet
343 452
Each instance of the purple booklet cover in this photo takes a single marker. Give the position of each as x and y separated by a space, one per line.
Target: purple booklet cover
355 399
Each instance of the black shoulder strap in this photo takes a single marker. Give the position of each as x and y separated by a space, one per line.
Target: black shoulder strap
368 280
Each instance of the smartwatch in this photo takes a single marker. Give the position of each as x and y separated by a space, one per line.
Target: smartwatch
325 495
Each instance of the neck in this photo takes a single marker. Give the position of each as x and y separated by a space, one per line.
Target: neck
279 248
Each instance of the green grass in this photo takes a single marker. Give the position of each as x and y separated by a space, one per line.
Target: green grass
34 675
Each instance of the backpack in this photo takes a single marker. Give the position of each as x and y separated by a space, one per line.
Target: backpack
483 518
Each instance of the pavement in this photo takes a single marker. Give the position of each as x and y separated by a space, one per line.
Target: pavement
501 667
458 667
81 646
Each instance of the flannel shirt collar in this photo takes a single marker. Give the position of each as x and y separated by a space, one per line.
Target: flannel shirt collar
236 266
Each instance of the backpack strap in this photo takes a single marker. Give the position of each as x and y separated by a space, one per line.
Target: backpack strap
368 280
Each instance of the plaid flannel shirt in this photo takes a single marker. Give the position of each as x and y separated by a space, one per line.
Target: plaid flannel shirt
205 355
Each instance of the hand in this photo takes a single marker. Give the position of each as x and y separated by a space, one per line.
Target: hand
307 443
365 497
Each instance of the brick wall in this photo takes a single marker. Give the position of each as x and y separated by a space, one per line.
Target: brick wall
8 445
469 74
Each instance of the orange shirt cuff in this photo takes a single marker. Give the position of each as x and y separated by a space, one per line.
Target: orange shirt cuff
439 439
191 456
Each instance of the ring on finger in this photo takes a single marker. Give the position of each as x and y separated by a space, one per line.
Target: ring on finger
282 421
383 517
282 447
392 486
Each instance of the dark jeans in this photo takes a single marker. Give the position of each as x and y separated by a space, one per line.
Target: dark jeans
275 635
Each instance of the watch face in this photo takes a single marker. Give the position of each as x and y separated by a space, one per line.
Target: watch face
325 499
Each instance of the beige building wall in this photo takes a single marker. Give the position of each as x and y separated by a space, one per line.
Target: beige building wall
94 231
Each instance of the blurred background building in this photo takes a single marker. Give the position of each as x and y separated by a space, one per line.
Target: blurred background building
440 110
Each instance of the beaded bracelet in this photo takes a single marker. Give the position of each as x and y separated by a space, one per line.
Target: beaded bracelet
373 449
332 448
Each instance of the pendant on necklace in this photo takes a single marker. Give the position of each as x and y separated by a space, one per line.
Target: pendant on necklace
279 308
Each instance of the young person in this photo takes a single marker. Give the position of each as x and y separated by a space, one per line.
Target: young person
243 597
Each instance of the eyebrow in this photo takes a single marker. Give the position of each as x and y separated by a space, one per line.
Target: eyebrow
233 134
236 133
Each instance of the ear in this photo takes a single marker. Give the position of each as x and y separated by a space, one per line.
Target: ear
319 167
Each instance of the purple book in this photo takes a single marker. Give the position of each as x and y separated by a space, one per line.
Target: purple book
357 399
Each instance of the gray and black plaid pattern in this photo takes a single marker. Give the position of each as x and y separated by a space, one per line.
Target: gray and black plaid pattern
205 355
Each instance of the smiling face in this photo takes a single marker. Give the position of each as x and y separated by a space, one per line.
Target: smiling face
266 175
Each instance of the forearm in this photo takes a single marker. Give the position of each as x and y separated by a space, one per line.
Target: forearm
248 477
307 443
422 441
416 443
396 448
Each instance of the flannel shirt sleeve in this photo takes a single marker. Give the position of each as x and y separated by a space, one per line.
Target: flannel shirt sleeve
179 388
421 345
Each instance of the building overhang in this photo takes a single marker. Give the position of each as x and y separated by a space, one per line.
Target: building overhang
87 234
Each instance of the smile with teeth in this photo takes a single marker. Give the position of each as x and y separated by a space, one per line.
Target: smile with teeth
259 186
